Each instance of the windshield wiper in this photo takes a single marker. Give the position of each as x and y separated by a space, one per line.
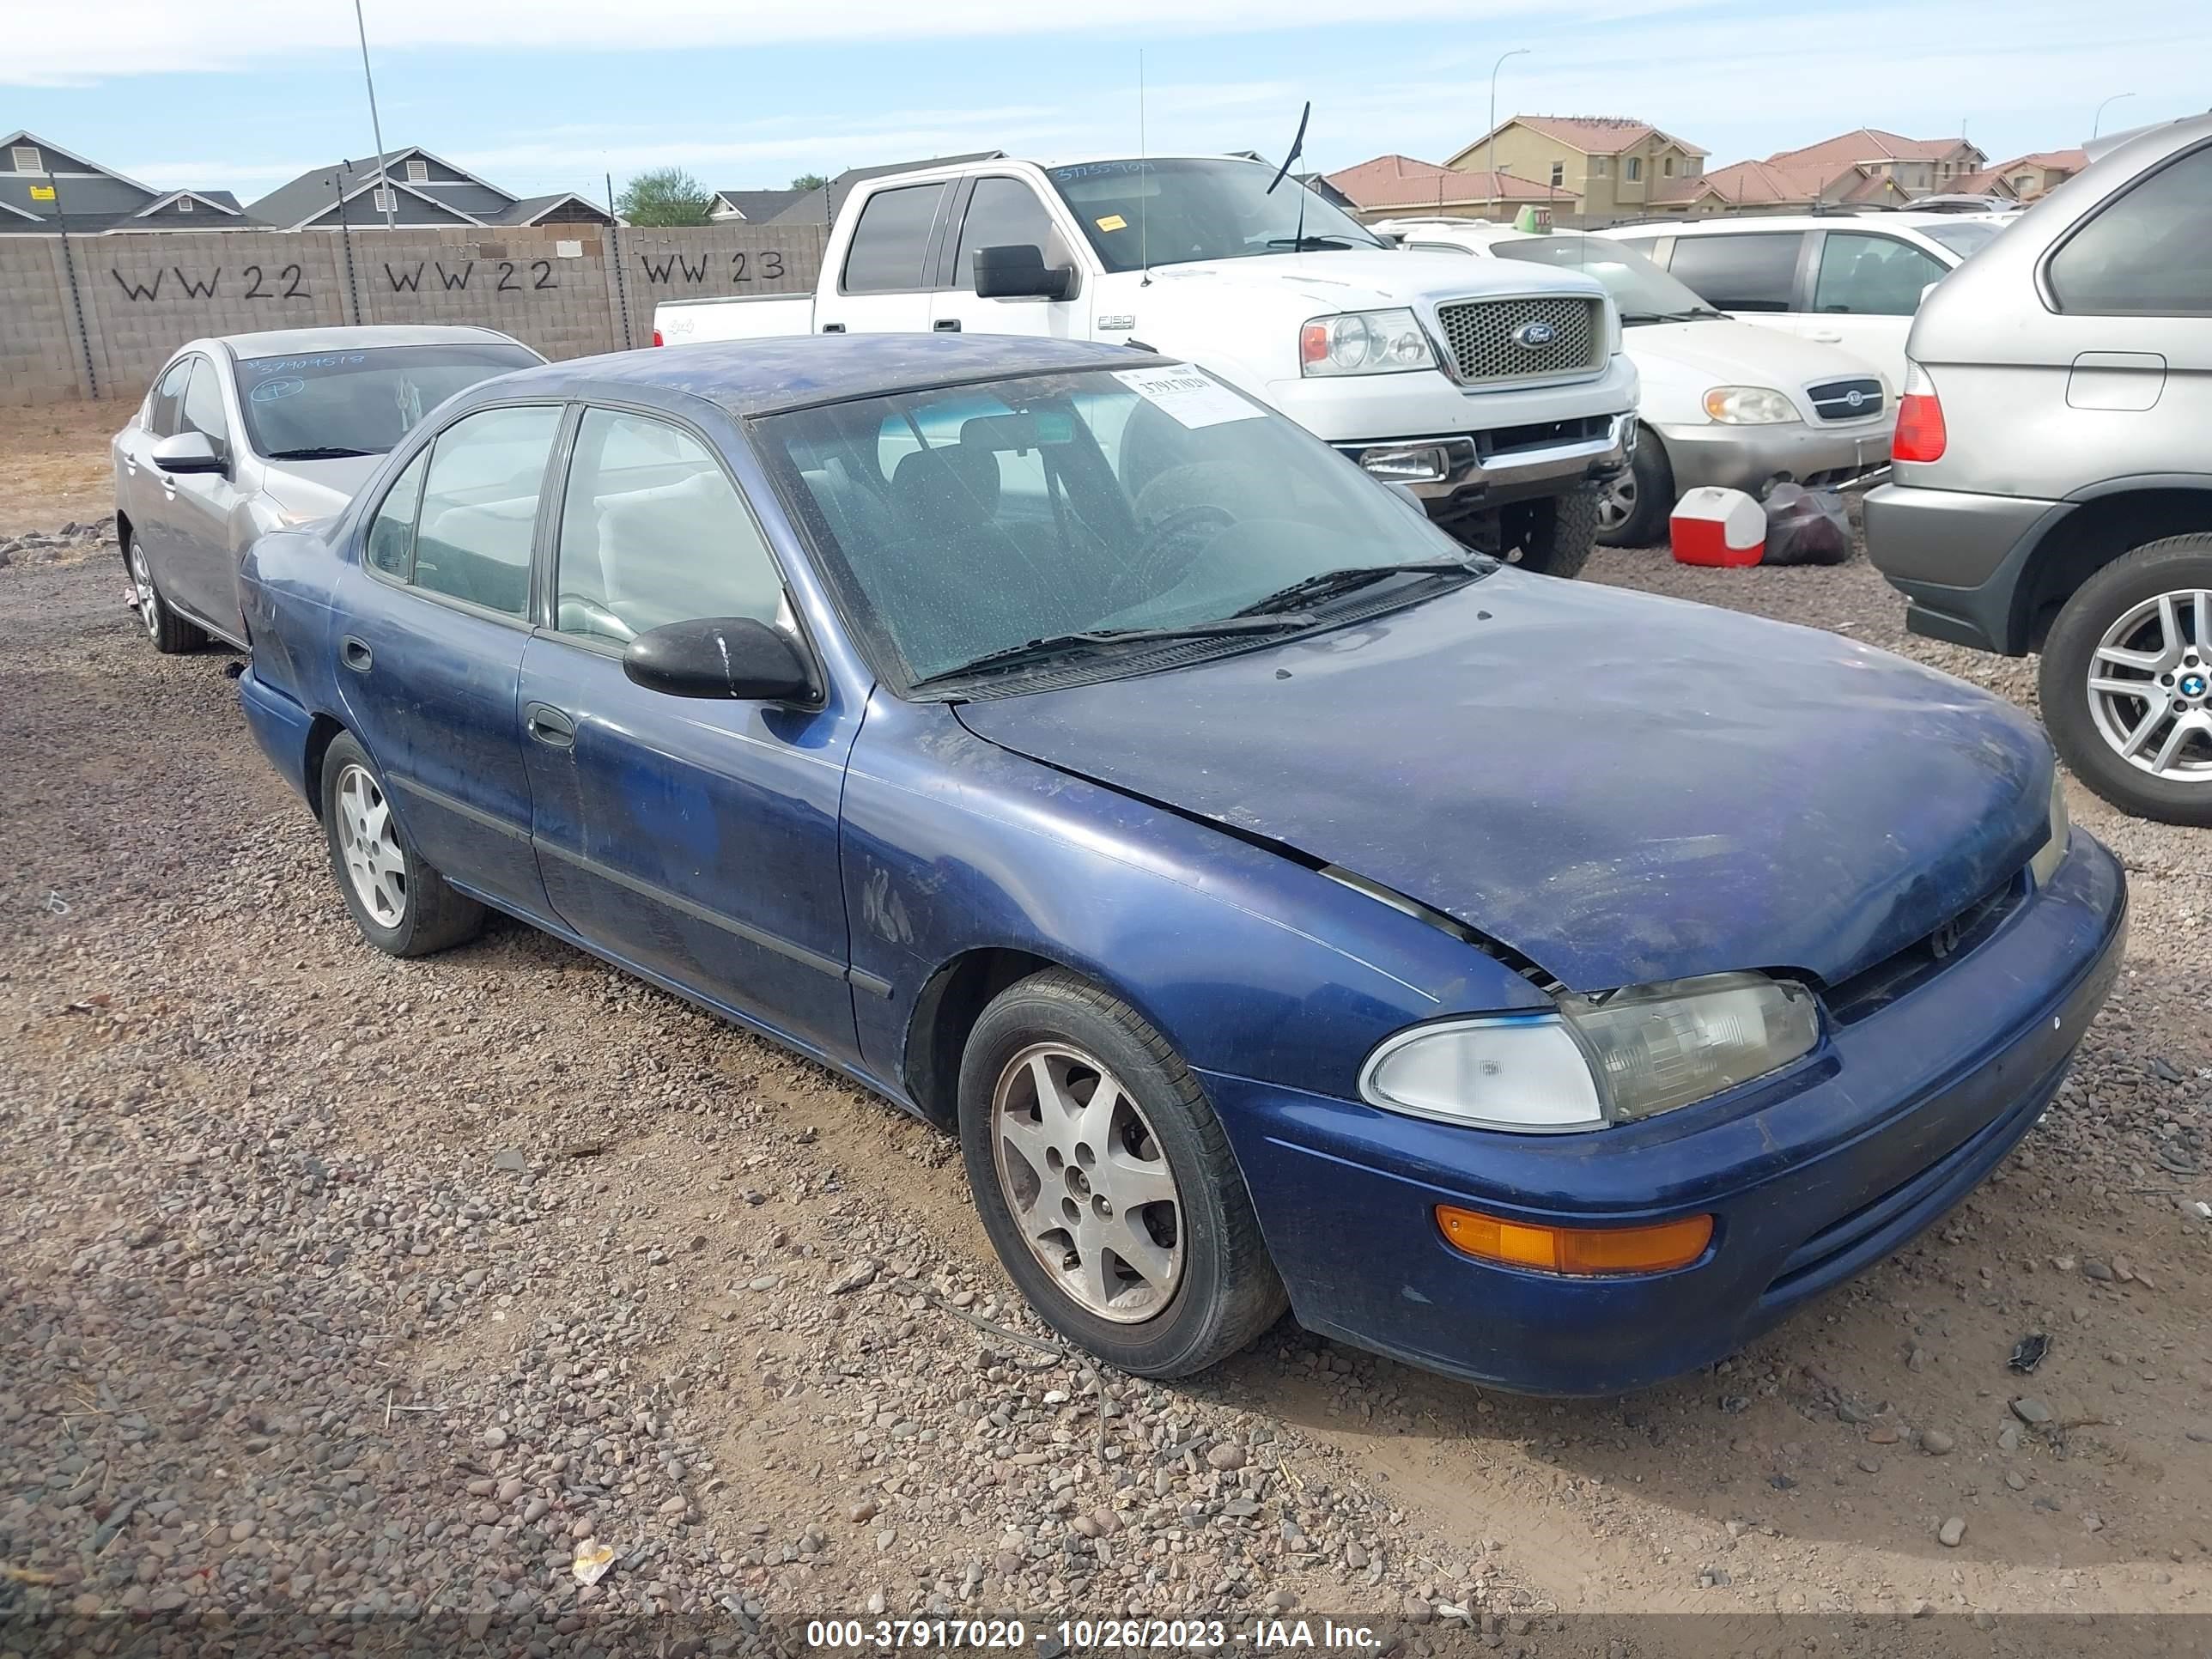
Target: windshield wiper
1314 241
1328 584
1632 319
1064 644
318 452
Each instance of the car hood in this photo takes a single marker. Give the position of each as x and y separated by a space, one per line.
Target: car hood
1743 353
1621 787
316 489
1353 279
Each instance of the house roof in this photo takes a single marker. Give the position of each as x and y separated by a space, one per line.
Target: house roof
1593 134
1401 181
50 153
1990 181
2068 161
531 208
307 197
1766 184
757 204
221 200
1870 144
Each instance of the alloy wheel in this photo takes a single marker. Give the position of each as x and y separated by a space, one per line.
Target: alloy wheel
2150 686
369 842
142 583
1088 1183
1616 502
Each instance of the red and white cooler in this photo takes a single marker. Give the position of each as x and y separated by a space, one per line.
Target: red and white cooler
1713 526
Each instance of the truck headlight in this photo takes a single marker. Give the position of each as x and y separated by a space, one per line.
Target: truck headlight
2052 853
1364 342
1748 405
1612 1058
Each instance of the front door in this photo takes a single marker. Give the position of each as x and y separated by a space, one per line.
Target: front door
694 839
882 284
205 570
436 616
1003 211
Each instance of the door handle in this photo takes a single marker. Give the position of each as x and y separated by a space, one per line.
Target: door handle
355 654
168 486
946 325
550 725
1827 337
833 328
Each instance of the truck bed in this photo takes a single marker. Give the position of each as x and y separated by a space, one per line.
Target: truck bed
733 317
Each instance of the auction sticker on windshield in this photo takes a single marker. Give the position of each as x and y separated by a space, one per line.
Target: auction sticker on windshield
1192 397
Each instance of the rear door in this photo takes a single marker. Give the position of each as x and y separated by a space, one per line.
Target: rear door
693 838
1001 210
889 271
1865 287
148 495
1750 274
430 630
204 563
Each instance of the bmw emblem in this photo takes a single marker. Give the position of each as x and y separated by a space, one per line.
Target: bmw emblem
1854 397
2192 685
1535 337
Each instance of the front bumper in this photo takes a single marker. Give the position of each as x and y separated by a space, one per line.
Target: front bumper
1747 457
1465 472
1959 558
1811 1176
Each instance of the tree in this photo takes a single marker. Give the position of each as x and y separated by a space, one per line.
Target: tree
808 181
664 195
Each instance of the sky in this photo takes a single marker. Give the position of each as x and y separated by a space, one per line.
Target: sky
541 95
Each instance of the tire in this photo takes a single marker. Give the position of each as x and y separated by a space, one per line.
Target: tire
1204 1286
1558 540
411 916
1634 507
2120 608
170 632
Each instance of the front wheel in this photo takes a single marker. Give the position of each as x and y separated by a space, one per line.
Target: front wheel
1634 505
2126 681
1106 1182
1554 537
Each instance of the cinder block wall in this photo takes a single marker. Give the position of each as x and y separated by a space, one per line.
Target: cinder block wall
556 288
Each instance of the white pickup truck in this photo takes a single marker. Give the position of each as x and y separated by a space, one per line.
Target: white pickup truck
1497 391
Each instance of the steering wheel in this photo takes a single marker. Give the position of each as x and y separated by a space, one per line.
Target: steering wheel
589 617
1176 535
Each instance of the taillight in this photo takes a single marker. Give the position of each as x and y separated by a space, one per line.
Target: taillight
1920 433
656 340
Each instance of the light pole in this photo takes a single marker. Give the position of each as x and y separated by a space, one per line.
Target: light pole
2097 125
1491 164
375 126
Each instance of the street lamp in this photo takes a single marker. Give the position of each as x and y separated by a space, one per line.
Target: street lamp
1517 52
375 126
2097 125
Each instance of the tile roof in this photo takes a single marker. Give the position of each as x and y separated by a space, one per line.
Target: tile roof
1400 181
2069 160
1870 144
1595 135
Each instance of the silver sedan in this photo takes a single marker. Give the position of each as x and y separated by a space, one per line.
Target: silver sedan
249 433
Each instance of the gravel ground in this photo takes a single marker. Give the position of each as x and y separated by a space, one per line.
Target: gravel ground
336 1285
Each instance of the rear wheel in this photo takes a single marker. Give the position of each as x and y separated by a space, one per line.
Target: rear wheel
2126 681
402 906
169 632
1634 506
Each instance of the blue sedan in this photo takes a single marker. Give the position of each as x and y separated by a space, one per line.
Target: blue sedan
1547 984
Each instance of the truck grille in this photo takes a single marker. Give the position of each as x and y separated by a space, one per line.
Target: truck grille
1491 339
1834 400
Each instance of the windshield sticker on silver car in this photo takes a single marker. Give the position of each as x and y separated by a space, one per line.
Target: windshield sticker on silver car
1194 398
269 390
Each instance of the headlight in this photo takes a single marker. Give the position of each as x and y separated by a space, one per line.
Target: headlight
1748 405
2052 853
1634 1053
1364 342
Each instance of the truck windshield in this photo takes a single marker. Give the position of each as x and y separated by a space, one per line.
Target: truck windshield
1070 518
321 405
1644 292
1171 212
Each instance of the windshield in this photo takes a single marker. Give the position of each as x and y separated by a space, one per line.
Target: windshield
971 521
1962 239
1644 292
1165 213
324 405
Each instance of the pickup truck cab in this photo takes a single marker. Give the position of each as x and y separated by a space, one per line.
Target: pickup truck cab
1498 393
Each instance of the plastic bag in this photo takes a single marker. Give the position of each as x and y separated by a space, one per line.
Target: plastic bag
1806 526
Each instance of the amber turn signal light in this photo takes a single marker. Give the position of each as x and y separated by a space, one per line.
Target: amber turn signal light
1581 1250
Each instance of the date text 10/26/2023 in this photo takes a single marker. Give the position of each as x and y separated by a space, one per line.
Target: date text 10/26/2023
858 1636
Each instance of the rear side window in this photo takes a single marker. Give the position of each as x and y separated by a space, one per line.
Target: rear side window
202 406
1756 271
2147 253
1863 276
891 240
1002 213
168 407
479 511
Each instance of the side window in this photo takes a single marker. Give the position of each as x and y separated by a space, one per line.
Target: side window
203 406
653 531
1863 276
480 507
1756 271
168 407
891 240
1003 212
392 531
2147 253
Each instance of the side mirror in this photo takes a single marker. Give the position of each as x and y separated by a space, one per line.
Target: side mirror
190 452
725 656
1018 271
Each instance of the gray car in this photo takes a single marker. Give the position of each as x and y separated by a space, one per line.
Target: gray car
251 432
2053 482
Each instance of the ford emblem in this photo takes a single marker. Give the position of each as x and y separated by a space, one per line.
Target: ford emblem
1535 337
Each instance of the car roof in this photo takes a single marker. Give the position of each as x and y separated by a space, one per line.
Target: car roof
293 341
764 377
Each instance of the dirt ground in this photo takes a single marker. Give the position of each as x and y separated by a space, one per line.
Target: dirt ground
739 1317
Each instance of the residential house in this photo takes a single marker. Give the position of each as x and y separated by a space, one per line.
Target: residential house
424 192
1767 187
2029 177
1398 186
733 207
1918 166
45 188
1599 168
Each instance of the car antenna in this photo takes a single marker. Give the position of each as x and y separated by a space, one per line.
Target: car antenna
1298 148
1144 250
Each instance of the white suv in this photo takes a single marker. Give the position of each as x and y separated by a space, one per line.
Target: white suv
1852 280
